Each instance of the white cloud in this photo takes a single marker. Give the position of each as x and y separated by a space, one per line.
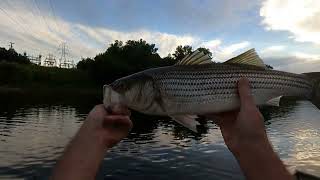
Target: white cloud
296 62
299 17
164 41
235 47
224 52
42 34
36 34
275 50
212 44
307 57
293 64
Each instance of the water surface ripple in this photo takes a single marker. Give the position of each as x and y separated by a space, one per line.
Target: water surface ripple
33 137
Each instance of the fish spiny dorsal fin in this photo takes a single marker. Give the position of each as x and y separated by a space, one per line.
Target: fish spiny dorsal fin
249 57
196 57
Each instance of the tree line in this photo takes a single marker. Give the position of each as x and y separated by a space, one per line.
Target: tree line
118 60
121 59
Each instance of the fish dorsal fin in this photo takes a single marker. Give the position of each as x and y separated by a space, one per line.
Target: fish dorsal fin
249 57
196 57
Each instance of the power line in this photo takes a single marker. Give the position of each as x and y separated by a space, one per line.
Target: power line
18 18
18 24
13 20
53 13
42 15
31 9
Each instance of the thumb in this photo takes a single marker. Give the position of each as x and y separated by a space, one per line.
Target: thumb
246 99
118 109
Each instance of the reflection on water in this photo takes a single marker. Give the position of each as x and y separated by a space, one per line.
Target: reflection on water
33 135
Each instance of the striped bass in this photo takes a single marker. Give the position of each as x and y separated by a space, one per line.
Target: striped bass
197 86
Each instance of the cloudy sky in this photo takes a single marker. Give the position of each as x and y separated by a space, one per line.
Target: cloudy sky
286 33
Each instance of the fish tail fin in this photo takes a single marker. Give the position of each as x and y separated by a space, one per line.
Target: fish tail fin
315 80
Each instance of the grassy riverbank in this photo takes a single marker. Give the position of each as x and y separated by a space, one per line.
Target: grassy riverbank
20 75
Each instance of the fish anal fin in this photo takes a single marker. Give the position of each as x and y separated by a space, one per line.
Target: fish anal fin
196 57
188 121
249 57
274 102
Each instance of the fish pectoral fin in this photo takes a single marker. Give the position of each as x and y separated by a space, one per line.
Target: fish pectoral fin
274 102
188 121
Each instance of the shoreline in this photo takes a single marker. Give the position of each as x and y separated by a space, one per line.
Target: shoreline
48 90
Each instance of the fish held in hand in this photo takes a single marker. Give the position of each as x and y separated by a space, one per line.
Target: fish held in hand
198 86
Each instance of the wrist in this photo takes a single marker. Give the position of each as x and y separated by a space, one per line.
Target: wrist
91 138
259 161
245 149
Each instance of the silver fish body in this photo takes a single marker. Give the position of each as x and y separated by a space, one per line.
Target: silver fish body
203 89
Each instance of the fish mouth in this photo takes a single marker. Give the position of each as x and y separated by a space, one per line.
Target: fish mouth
111 97
106 96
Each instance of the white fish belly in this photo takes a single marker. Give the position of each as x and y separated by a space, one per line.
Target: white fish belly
229 102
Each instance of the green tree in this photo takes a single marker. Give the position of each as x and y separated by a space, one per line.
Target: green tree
181 52
122 59
11 55
85 64
205 51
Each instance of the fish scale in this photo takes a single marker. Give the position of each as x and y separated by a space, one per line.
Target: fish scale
196 86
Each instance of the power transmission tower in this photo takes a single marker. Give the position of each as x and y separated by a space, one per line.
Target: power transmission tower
64 62
11 45
50 61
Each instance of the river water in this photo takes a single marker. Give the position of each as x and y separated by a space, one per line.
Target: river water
33 134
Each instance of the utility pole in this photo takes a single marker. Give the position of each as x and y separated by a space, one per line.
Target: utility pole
64 62
11 45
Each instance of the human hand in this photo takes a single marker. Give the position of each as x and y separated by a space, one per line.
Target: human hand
244 128
101 130
107 128
244 134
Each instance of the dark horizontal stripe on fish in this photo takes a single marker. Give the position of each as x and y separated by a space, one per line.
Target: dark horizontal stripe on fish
212 76
227 81
223 79
231 73
208 98
225 90
229 70
210 93
232 83
205 99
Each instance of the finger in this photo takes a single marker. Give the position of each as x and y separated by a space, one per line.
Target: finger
117 121
224 115
119 109
246 99
99 109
